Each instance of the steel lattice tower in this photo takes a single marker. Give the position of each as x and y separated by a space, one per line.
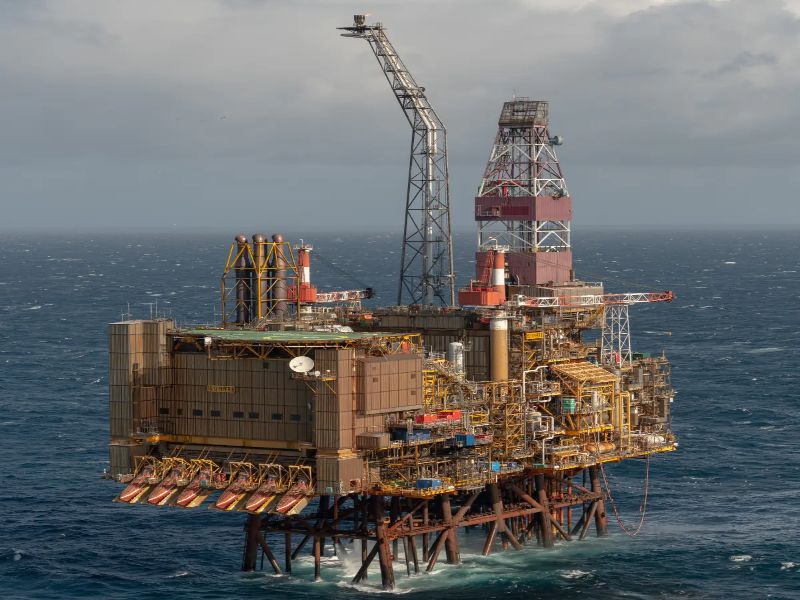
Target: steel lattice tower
426 269
615 349
523 203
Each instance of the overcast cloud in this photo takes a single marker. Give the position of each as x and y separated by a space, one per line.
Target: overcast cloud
212 113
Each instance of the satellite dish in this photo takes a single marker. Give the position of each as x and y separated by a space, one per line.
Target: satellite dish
301 364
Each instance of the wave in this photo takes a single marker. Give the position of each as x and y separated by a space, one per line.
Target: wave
741 558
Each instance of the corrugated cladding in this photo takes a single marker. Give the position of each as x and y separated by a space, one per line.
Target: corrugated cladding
389 383
121 457
248 399
333 411
138 356
124 356
339 475
439 330
476 359
372 441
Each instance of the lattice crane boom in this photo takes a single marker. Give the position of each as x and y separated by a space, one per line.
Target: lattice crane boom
426 270
593 300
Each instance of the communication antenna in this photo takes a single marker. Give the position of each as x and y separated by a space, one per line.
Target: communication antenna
301 364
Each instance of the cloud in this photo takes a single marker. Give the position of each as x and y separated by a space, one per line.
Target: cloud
256 98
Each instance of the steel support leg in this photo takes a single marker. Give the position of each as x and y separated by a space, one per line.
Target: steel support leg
600 517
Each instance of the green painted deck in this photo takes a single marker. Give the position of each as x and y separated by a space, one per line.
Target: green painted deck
253 336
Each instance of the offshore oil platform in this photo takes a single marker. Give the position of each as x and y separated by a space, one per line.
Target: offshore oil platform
382 433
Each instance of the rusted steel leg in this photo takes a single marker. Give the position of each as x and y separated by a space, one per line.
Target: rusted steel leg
443 535
365 562
300 545
600 517
394 515
436 549
569 508
451 542
425 556
268 552
335 516
502 527
288 552
552 520
487 545
412 546
364 528
252 531
317 554
324 502
406 556
588 520
579 525
364 554
384 554
544 516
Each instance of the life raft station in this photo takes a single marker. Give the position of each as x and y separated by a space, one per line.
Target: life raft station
384 433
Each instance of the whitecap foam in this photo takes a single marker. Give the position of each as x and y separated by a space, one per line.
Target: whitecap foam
178 574
765 350
575 574
785 566
741 558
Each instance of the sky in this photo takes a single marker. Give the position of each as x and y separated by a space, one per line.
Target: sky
208 114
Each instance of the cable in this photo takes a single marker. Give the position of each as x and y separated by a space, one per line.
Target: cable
642 507
341 271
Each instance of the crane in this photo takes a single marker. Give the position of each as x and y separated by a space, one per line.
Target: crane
426 264
593 300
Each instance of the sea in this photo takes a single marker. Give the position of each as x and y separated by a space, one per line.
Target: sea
723 512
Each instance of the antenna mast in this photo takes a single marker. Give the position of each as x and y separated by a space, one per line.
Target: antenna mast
426 269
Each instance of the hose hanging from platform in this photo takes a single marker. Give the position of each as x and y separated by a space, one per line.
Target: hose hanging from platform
642 507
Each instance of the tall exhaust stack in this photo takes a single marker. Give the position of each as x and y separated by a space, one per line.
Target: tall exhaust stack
498 348
306 292
243 281
278 268
260 283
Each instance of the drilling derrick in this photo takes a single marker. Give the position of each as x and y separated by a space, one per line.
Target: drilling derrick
426 269
523 204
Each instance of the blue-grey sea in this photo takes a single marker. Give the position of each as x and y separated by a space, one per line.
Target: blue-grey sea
723 517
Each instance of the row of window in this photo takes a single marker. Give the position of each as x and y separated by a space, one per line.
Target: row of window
237 414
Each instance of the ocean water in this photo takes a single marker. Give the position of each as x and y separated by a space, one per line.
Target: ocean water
723 517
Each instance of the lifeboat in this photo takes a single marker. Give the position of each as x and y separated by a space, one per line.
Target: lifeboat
292 498
233 493
137 486
189 497
166 488
259 499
